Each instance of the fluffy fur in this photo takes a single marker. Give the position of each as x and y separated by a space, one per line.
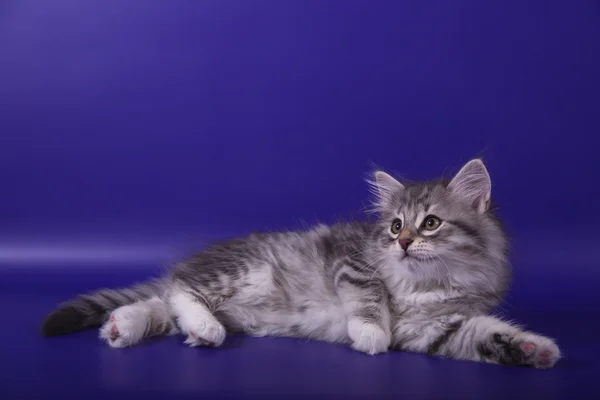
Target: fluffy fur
422 278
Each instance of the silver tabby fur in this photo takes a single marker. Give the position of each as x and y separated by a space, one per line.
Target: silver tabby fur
354 283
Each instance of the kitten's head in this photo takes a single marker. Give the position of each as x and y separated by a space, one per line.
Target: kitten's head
442 231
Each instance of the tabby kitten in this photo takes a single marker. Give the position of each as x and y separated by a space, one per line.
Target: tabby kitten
422 279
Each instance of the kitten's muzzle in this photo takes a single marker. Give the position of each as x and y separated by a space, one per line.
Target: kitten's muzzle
404 243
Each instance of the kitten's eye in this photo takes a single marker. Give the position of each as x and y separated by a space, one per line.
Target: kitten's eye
396 226
431 223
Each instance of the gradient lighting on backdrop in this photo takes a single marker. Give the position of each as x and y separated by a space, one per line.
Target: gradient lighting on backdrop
134 132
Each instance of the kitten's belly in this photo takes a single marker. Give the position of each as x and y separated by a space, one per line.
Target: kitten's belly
296 303
308 319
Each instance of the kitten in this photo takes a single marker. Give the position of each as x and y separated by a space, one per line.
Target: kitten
422 279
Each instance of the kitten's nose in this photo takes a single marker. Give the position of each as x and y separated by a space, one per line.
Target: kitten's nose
404 243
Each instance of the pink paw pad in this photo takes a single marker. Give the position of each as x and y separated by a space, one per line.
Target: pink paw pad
112 318
201 341
545 353
528 347
114 332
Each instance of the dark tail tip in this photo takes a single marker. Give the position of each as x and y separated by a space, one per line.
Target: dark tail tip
65 320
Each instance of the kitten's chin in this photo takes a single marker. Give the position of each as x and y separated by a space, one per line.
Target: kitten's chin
413 266
422 269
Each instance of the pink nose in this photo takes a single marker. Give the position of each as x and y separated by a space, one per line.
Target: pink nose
404 243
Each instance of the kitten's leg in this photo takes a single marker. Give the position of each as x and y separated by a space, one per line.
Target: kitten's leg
365 302
195 319
128 325
480 338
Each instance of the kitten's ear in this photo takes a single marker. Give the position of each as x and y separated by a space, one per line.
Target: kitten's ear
384 187
473 185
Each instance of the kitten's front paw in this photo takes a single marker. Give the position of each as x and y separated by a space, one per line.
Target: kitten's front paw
368 338
526 349
540 351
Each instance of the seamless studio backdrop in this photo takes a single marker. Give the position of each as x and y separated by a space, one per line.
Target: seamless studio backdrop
132 133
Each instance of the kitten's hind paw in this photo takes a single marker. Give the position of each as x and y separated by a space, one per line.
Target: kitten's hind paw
205 334
124 328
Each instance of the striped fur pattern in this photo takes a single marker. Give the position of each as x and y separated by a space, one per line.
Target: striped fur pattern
422 278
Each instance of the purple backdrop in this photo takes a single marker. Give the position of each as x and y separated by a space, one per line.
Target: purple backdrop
132 131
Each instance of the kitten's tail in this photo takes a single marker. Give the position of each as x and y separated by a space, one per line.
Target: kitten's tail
92 310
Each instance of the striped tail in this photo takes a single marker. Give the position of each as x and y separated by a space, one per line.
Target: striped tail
92 310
